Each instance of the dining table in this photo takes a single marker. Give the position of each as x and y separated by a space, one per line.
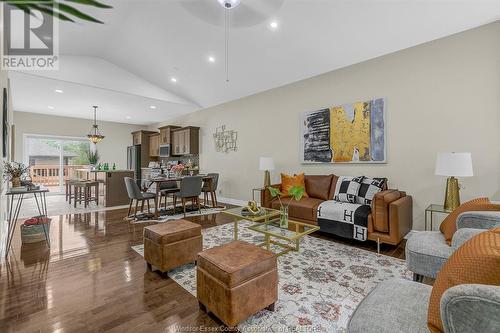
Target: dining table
160 180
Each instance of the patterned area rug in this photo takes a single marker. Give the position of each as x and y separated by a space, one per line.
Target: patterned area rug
319 286
168 214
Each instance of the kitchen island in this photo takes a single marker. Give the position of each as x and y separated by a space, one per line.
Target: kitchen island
114 192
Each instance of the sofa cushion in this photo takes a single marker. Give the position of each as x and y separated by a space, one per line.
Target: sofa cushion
287 182
394 305
319 186
347 189
477 261
304 209
236 262
369 187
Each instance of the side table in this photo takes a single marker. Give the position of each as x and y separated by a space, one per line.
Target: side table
430 210
259 189
41 204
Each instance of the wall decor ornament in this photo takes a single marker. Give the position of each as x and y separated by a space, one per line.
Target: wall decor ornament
349 133
225 140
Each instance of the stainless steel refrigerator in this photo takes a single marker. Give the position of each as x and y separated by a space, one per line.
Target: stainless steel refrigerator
134 161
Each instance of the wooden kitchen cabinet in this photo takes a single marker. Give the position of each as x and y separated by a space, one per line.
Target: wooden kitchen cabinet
154 145
166 134
185 141
141 137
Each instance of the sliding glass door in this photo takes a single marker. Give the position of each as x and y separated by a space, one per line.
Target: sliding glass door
53 160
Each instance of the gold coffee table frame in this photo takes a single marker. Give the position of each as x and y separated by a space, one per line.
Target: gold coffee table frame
267 213
271 229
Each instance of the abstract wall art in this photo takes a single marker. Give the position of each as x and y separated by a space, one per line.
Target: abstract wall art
225 140
350 133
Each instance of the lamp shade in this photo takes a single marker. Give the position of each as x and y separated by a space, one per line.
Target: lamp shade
266 164
454 165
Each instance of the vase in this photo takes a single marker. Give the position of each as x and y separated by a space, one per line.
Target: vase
16 182
284 217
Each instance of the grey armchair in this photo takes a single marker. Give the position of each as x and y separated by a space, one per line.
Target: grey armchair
399 305
190 189
427 251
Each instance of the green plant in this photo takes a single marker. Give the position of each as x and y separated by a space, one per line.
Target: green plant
58 9
93 157
13 170
296 192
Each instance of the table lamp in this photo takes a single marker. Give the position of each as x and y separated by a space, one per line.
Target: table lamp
266 164
453 165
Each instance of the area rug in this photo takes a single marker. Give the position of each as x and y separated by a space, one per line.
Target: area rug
168 214
319 286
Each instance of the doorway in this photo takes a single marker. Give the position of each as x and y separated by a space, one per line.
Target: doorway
53 160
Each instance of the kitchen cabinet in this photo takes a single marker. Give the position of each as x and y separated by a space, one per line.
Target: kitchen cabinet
141 137
185 141
166 134
154 145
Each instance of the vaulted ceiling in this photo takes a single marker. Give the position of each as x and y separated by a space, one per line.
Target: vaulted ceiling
127 65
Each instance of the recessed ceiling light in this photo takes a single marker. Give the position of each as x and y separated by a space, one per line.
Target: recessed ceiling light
211 59
128 117
173 79
59 91
152 107
50 107
274 25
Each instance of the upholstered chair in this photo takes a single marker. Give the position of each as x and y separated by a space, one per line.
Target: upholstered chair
135 193
427 251
190 189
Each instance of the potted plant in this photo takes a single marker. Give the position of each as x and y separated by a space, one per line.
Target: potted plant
93 158
296 192
14 171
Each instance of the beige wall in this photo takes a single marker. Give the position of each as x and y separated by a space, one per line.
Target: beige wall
113 149
441 96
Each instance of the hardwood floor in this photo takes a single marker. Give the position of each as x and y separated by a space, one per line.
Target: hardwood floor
92 281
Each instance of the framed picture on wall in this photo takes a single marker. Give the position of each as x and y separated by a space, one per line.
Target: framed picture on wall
349 133
5 124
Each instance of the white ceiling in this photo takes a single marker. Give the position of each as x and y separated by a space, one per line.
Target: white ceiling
126 65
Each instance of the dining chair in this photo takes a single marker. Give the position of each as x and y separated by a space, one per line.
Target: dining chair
166 188
211 187
190 188
135 193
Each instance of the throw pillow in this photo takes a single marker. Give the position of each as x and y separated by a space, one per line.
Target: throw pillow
449 226
477 261
348 189
287 182
369 187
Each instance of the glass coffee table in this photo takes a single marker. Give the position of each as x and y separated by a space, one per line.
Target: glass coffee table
271 230
265 215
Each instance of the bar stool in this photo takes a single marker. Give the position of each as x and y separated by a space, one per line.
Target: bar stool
69 189
83 192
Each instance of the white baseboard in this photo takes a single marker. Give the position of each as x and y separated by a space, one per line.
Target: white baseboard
231 201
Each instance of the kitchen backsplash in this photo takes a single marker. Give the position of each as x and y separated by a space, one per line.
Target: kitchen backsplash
195 159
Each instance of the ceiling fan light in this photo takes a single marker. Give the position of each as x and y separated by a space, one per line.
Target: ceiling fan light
229 4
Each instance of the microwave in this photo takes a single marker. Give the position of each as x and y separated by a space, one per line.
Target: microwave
165 151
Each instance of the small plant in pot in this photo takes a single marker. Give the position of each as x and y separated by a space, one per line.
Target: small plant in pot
14 171
296 192
93 158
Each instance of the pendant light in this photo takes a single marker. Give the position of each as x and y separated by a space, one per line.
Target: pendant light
228 5
94 135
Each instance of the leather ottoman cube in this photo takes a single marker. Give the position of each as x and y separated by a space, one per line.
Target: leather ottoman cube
172 244
236 280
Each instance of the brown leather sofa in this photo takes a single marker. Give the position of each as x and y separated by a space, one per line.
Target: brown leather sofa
391 212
